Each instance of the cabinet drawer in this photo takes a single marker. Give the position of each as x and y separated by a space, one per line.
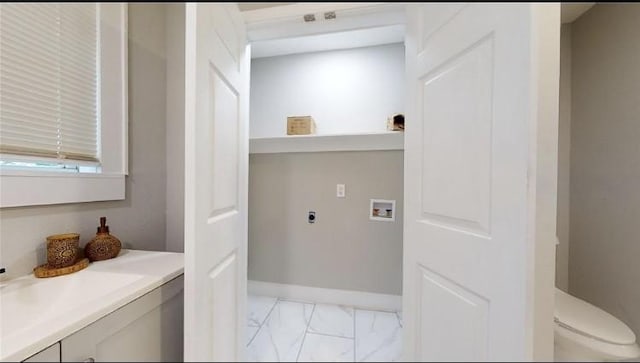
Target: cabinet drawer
147 329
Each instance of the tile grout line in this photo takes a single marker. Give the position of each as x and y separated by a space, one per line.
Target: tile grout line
254 336
399 320
355 311
304 337
270 311
329 335
378 310
395 313
263 321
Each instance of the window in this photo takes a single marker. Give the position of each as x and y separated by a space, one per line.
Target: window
49 79
63 102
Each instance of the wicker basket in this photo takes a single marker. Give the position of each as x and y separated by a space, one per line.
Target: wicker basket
62 249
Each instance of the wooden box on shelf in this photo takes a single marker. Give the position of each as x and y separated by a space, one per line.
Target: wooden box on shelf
300 125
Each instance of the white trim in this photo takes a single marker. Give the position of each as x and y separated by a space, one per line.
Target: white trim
125 88
57 188
390 140
358 299
114 87
26 188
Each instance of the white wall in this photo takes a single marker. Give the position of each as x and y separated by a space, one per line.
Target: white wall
346 91
175 127
139 220
564 149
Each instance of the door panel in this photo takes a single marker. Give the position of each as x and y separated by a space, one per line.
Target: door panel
463 135
147 329
223 144
463 309
223 283
470 180
216 131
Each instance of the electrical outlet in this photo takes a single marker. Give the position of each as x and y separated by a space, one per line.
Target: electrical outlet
340 191
312 217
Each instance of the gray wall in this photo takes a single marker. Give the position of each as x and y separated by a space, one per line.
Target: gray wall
564 150
343 249
175 127
139 221
604 261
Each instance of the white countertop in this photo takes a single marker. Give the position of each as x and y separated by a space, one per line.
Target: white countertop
38 312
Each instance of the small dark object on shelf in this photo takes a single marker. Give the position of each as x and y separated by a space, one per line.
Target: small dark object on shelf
103 246
395 122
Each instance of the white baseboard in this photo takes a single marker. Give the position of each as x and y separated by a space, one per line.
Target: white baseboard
358 299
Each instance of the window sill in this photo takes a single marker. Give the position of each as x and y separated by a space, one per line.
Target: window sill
25 188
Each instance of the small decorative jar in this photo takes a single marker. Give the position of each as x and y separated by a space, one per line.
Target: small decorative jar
62 249
103 246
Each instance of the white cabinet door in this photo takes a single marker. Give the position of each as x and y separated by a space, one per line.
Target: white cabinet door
51 354
216 169
480 181
149 329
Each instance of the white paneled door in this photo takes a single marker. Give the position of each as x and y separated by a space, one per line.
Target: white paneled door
216 132
480 108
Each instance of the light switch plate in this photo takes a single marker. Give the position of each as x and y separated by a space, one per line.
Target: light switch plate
340 191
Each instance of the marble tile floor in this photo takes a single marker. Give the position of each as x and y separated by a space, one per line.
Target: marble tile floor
287 331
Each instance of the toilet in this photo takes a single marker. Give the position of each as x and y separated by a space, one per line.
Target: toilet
584 332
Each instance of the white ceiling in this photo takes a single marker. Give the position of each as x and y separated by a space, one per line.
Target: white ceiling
570 11
329 41
281 30
256 6
356 25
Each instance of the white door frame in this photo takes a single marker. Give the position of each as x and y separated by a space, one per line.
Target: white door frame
216 182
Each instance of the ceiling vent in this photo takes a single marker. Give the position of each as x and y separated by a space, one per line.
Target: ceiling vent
330 15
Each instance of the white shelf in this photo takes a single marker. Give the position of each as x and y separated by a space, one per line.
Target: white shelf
389 140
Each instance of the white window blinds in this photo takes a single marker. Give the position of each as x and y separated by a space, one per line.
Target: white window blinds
49 80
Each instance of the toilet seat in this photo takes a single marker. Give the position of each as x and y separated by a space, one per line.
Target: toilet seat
580 317
594 349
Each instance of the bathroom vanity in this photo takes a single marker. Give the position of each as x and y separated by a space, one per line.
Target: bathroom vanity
129 308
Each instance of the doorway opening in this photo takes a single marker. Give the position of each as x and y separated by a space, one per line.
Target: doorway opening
597 179
325 277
